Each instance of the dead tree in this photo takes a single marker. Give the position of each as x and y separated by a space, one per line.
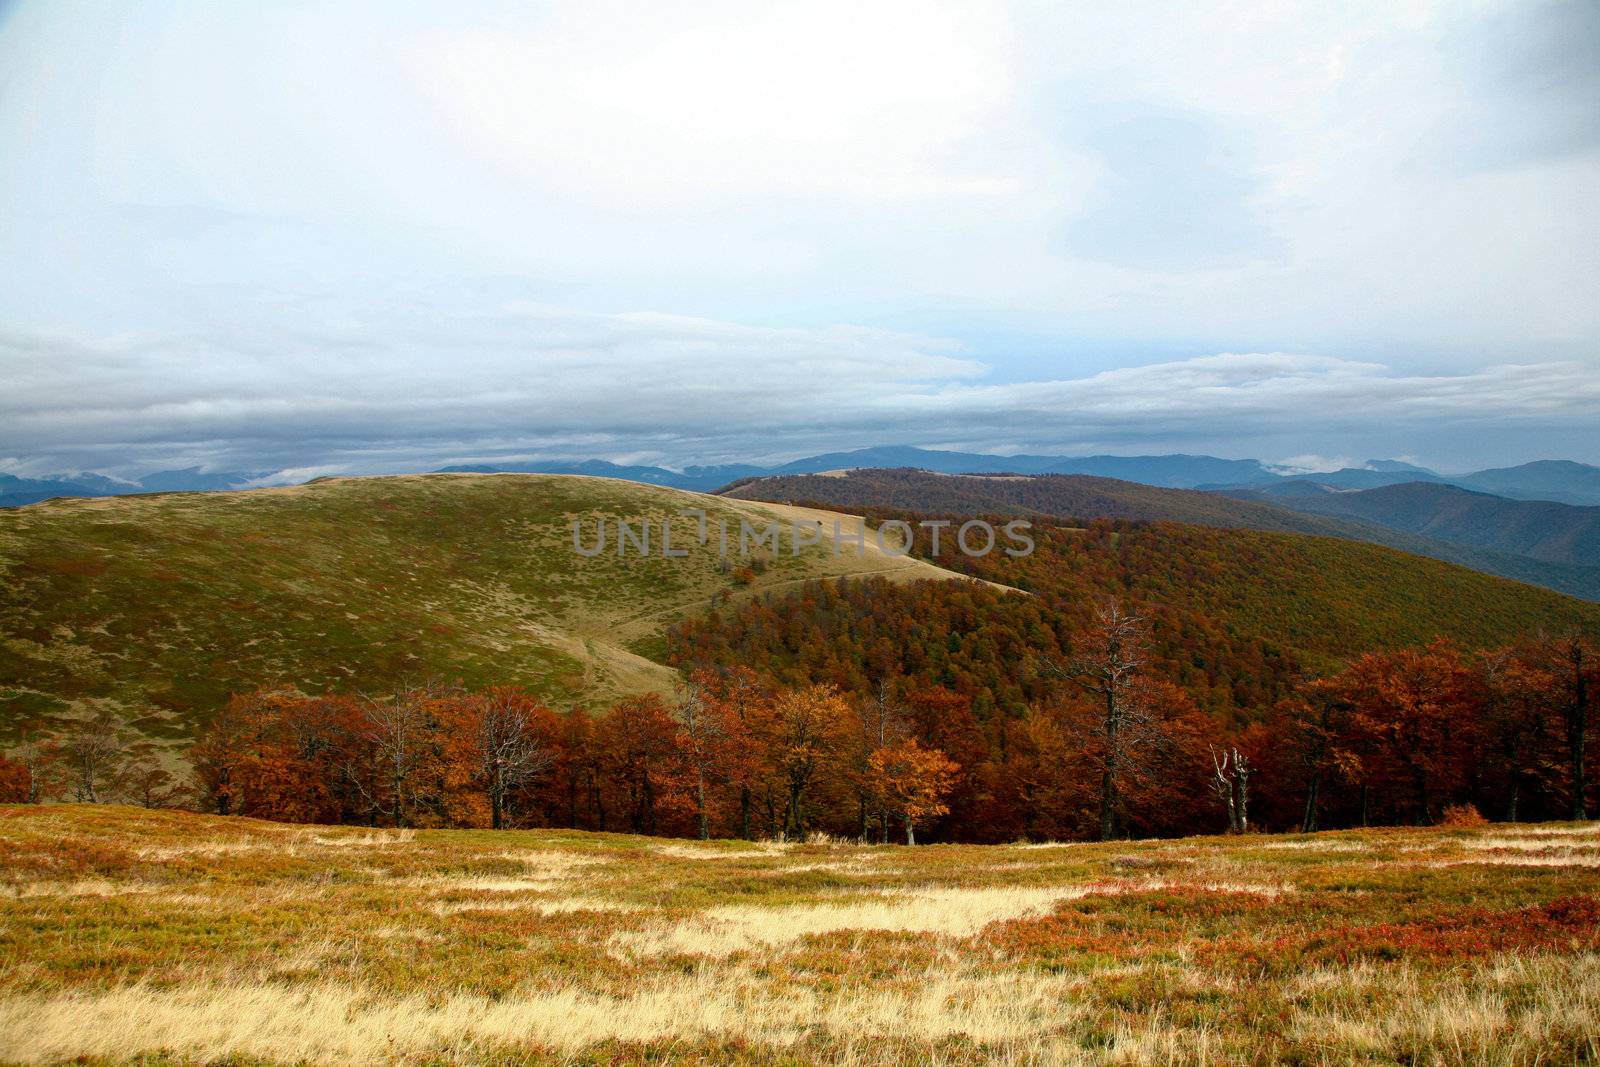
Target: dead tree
1230 780
395 730
702 737
1113 653
93 753
883 722
509 750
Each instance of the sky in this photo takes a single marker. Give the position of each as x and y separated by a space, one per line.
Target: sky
362 237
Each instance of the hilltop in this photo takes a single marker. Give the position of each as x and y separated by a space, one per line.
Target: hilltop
160 606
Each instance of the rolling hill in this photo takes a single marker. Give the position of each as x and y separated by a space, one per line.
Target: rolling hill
1538 529
1080 497
160 606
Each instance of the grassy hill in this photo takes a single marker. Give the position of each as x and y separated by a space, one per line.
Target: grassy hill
159 606
164 937
1083 497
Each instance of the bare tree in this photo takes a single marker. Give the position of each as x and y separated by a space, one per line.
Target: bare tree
509 750
395 729
41 762
883 722
701 737
93 752
1230 780
144 781
1113 653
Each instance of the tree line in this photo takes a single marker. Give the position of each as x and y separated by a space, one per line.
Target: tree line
1096 740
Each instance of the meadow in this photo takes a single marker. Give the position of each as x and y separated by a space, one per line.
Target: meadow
129 935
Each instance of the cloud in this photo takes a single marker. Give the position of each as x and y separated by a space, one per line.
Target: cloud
205 240
1533 74
378 395
1169 204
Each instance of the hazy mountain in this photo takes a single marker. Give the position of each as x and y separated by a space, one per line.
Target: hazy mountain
15 492
194 480
1558 480
1546 479
1539 529
1177 471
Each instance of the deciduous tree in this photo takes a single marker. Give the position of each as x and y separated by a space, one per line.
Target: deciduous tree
911 782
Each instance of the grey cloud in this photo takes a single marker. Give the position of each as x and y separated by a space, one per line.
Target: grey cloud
1532 71
361 397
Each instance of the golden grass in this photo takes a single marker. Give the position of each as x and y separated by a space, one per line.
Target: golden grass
128 935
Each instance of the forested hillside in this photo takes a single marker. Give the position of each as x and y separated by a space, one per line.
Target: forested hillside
1305 653
1237 615
1081 498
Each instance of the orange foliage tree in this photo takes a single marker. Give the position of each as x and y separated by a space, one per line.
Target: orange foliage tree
911 782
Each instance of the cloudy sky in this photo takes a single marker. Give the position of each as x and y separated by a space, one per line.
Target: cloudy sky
347 236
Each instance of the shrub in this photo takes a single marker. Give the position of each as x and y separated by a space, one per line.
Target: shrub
1462 815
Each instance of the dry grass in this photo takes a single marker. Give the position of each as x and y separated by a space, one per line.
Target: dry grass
128 935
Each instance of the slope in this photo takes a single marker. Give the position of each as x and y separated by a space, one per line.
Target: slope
1081 497
160 606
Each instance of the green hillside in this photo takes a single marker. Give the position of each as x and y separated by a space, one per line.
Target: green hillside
160 606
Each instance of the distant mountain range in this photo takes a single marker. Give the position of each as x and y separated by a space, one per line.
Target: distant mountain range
1567 559
15 491
1557 480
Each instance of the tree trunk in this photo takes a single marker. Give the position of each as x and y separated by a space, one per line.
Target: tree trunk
1108 778
911 834
793 825
744 812
700 805
1241 798
648 799
1577 730
1308 824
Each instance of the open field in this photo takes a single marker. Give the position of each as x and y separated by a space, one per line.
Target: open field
178 938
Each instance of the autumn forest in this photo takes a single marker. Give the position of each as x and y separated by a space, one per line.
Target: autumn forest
1116 684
